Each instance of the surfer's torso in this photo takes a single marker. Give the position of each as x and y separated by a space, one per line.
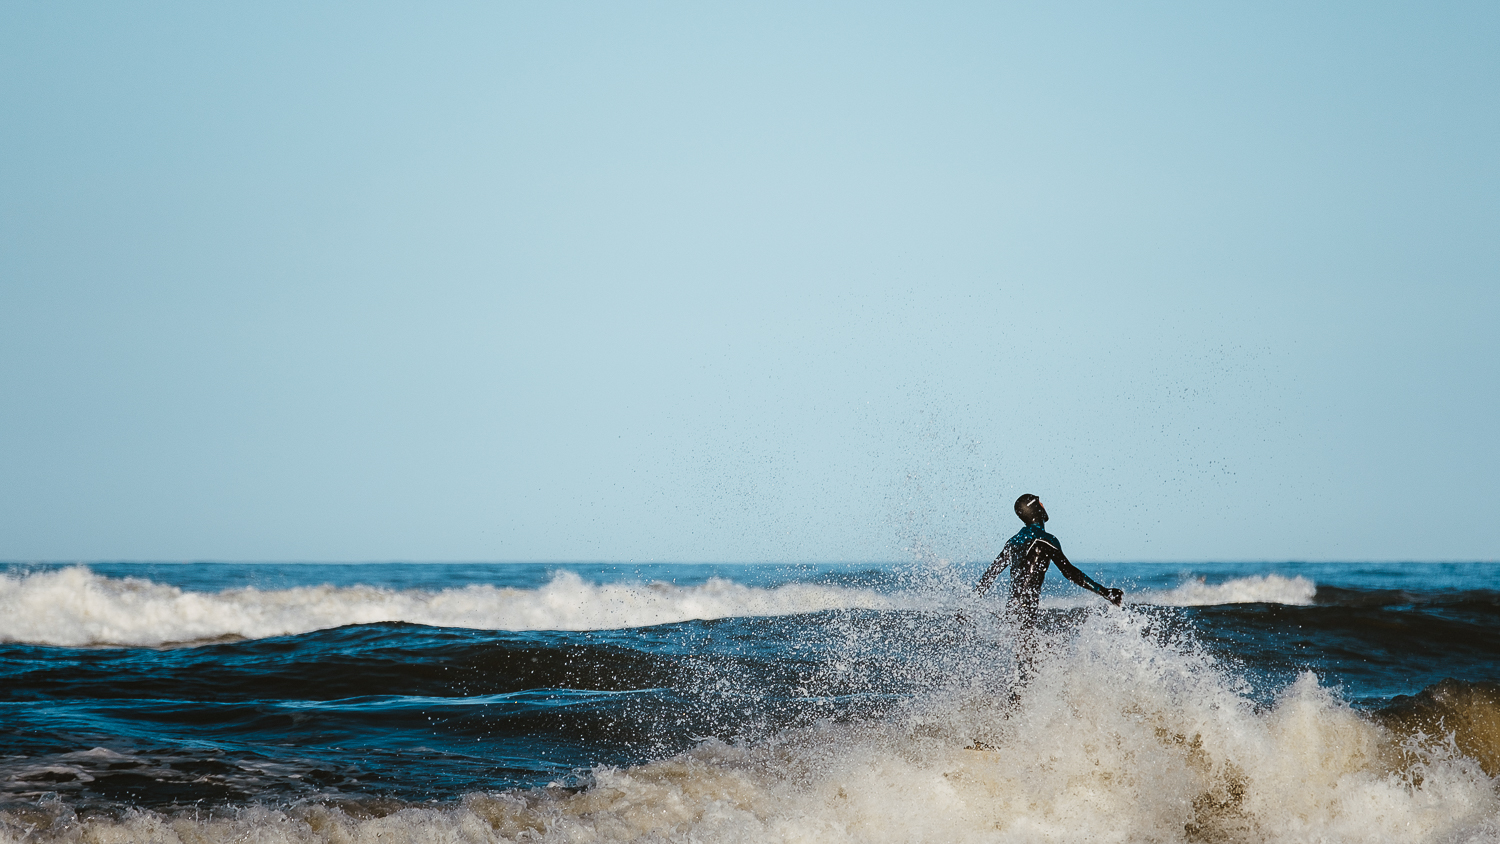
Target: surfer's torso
1028 554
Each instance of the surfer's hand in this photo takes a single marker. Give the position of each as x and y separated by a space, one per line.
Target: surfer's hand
962 619
1114 596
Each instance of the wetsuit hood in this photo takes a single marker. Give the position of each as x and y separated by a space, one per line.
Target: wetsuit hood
1030 510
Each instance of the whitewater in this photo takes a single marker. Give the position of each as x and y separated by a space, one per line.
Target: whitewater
1119 739
76 607
1237 704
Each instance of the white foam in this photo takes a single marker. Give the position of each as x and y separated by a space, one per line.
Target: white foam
1266 589
76 607
1120 738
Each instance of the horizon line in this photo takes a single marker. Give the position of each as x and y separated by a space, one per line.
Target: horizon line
577 562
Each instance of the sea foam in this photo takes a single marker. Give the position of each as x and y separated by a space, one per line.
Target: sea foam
1120 737
1267 588
1197 592
76 607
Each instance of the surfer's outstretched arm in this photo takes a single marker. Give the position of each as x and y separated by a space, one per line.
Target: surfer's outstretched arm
994 571
1072 572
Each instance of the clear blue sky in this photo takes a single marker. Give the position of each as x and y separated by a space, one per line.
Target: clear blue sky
656 281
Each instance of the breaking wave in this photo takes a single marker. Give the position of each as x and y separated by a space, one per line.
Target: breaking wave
1262 589
75 607
1120 737
1258 589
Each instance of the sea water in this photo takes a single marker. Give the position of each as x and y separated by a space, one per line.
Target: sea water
755 703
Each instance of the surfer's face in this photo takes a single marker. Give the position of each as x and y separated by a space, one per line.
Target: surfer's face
1041 512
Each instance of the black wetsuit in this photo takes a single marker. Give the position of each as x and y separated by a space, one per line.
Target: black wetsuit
1028 553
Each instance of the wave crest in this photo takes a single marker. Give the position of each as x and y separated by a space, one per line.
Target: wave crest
1261 589
75 607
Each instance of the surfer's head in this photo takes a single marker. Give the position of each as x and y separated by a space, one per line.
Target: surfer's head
1030 509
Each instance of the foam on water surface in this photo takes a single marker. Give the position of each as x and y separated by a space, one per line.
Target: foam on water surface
76 607
1266 589
1197 592
1122 736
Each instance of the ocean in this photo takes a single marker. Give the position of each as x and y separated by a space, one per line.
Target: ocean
745 703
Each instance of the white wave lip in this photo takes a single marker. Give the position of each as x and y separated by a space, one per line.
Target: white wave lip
76 607
1262 589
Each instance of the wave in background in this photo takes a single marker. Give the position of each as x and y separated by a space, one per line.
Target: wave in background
75 607
1262 589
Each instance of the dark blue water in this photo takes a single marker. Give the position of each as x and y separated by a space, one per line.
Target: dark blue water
161 685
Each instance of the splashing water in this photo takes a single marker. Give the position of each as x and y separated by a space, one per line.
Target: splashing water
1123 735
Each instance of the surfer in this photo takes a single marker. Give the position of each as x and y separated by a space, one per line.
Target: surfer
1028 554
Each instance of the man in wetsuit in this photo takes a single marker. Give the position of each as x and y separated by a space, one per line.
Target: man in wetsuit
1028 554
